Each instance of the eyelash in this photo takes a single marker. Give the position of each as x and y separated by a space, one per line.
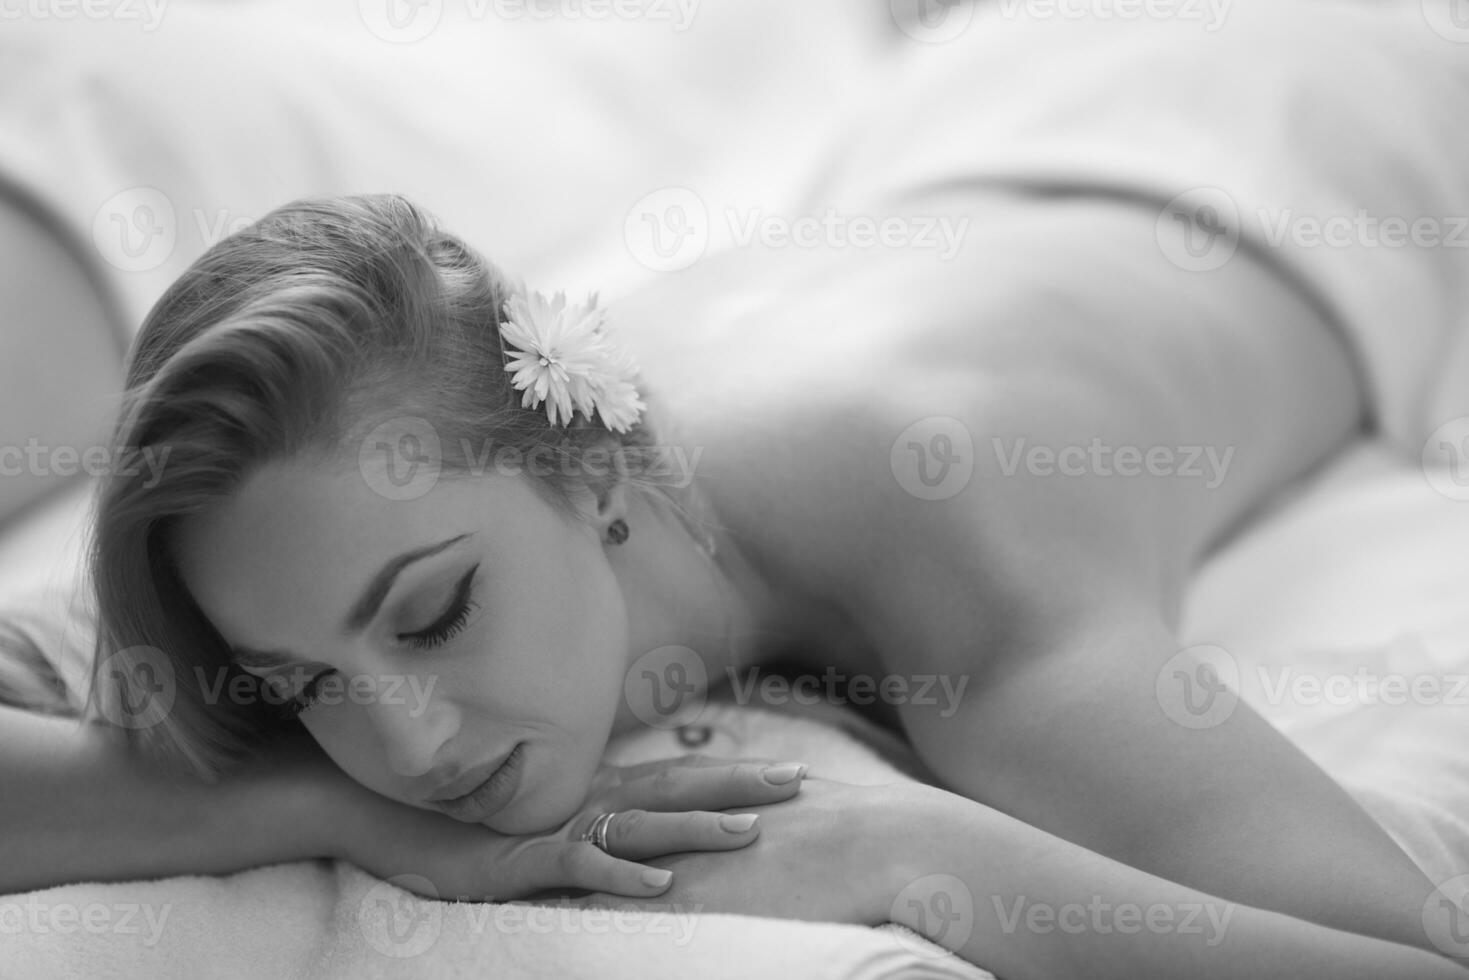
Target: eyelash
437 634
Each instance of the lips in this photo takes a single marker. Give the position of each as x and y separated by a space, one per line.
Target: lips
490 795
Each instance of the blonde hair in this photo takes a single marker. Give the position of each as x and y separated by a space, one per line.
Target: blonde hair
296 337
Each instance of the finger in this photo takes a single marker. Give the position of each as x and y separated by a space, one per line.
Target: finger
641 834
584 866
693 760
720 787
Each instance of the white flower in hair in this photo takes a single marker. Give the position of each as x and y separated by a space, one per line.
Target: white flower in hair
564 357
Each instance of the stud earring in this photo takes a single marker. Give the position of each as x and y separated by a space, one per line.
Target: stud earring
617 531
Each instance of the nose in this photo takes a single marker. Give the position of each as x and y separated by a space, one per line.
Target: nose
411 729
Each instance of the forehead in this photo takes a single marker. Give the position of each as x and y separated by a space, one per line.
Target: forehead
295 545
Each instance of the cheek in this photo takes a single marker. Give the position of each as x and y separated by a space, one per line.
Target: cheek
346 735
561 642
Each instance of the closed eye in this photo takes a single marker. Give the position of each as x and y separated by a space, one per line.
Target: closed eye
451 621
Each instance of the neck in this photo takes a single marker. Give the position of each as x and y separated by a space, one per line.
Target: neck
716 606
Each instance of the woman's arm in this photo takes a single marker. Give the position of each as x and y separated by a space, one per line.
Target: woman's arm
1007 896
1024 903
81 806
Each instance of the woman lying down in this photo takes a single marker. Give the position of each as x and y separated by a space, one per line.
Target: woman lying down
353 403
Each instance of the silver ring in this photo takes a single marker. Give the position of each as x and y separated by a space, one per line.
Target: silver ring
597 833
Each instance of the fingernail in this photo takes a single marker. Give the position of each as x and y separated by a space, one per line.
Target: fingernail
738 823
657 877
782 774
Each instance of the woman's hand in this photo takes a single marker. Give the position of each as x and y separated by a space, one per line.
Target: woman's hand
662 808
836 853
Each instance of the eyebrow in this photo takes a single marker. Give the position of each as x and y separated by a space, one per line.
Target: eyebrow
362 612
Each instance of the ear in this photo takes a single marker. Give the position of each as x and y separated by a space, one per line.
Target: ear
611 503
